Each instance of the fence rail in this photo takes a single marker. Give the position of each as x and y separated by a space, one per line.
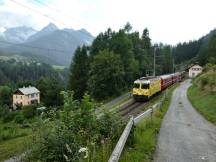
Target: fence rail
133 121
121 142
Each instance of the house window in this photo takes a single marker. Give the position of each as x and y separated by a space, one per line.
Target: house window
20 97
16 96
32 95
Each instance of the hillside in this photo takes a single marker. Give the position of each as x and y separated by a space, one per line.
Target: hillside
202 93
194 51
13 72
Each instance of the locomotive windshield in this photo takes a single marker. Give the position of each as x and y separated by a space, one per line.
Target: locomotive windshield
145 86
136 85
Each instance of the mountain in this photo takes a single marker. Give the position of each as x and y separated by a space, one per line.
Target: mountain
45 31
52 45
18 34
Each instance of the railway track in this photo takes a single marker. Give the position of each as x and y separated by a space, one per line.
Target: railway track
131 108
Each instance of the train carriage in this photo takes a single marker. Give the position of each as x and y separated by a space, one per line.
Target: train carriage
166 81
176 77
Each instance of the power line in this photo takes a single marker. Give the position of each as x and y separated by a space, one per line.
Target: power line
34 10
59 11
47 16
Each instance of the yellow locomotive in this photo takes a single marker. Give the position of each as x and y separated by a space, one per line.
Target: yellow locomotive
145 87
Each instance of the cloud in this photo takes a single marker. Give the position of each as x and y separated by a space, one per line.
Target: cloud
169 21
8 19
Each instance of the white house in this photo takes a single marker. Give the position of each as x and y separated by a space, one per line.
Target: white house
194 70
26 96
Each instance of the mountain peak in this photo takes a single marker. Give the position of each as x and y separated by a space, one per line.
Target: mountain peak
83 30
50 27
45 31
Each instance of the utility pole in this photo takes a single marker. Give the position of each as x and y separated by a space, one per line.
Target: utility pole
173 63
154 61
173 66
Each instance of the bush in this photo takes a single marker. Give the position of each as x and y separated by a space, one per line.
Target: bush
6 114
29 111
203 82
64 137
19 118
5 95
206 80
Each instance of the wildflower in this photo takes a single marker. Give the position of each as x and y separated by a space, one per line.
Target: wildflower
68 148
85 150
102 141
66 158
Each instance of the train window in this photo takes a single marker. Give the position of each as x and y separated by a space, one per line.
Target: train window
145 86
136 85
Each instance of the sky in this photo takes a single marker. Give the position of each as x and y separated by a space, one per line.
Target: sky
168 21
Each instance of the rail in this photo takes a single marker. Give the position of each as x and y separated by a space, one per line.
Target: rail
133 121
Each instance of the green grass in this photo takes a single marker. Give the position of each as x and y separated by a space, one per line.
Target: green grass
58 67
142 146
204 102
12 130
12 139
13 147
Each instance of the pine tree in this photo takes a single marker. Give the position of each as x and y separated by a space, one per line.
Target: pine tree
79 72
146 40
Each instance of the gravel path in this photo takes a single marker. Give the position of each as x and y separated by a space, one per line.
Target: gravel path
185 136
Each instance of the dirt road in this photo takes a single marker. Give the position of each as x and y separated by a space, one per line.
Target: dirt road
185 136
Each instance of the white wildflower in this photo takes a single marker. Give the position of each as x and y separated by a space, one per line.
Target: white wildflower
68 148
85 150
66 158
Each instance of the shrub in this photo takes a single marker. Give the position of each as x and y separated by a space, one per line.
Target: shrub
64 137
29 111
19 118
203 82
6 114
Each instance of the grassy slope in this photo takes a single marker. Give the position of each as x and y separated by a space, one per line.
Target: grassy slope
145 136
202 93
12 139
204 102
13 147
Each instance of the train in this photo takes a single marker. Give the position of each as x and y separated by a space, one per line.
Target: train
146 87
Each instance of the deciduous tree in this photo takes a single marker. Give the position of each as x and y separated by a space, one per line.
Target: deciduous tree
106 75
